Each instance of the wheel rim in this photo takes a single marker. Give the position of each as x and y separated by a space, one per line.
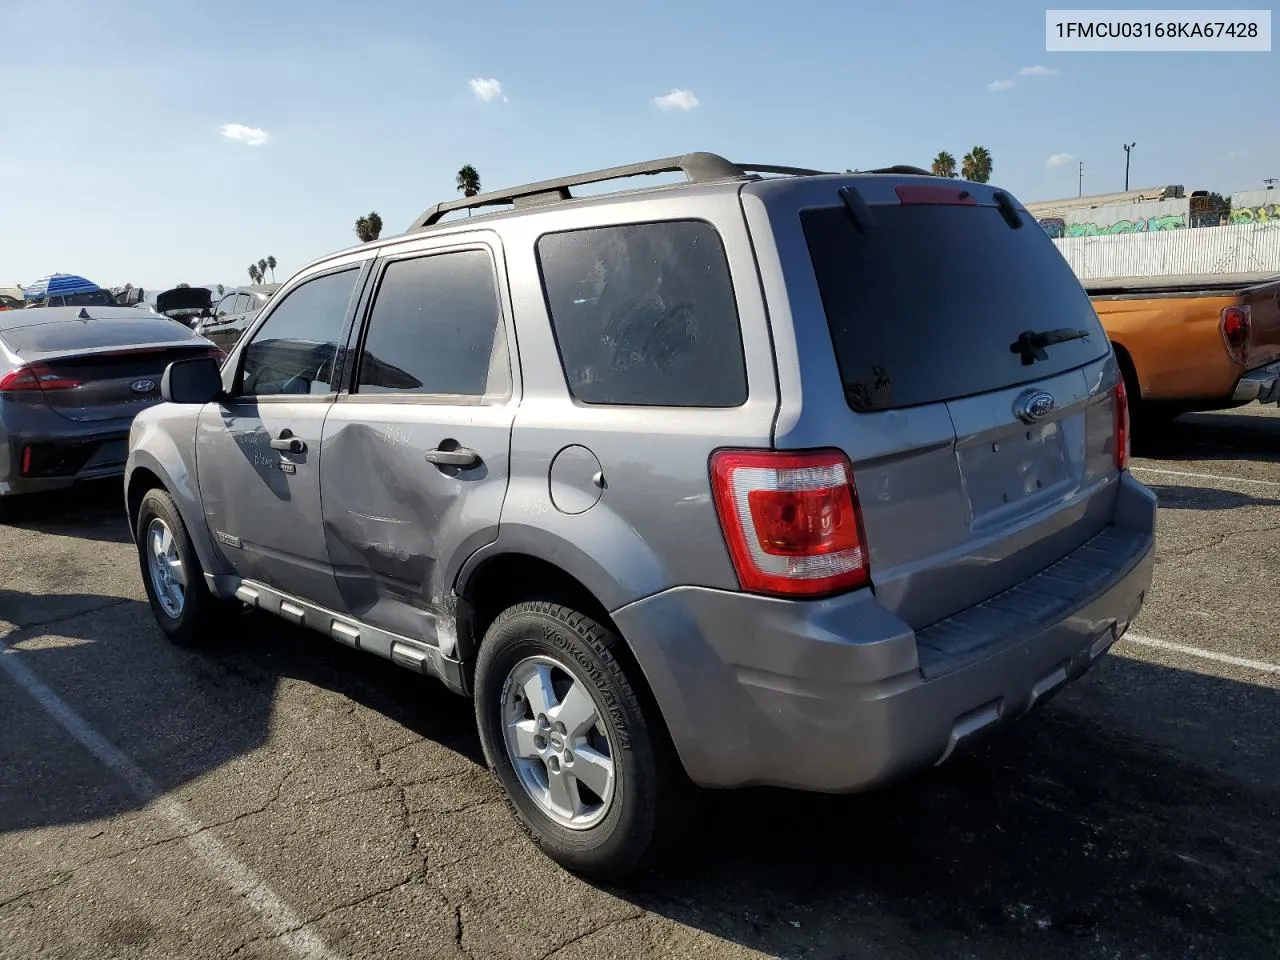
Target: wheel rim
168 578
557 742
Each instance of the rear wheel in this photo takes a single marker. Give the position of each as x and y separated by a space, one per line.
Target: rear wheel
181 602
586 765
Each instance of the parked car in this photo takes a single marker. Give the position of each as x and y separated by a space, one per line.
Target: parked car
1193 343
766 495
187 305
71 381
234 313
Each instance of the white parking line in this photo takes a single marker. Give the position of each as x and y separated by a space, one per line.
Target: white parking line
1261 666
1204 476
279 917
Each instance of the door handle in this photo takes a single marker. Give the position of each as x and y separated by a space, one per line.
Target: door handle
288 442
457 457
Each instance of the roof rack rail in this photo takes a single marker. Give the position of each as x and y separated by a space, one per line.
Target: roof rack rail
697 167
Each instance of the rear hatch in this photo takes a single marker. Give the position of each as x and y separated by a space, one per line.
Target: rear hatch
102 369
971 386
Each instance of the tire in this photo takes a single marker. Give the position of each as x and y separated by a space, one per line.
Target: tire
196 619
650 799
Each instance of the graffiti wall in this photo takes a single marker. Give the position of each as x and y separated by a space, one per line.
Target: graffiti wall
1147 217
1262 213
1243 248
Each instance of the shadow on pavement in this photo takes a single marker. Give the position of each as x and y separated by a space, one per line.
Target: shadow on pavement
1212 436
87 511
1207 498
1088 829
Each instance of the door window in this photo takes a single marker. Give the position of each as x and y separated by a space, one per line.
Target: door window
436 328
297 350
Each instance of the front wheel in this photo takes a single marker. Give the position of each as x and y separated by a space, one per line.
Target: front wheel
181 602
586 766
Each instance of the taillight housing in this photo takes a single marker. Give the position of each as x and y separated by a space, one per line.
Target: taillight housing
1120 401
1237 332
791 521
35 377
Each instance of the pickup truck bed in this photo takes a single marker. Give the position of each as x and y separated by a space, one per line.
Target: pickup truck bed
1188 343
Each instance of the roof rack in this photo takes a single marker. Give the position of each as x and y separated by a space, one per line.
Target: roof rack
697 167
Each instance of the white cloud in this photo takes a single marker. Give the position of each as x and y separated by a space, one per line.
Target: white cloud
487 90
998 85
1036 72
1059 160
677 99
251 136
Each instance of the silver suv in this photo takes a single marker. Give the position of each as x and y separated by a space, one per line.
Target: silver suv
769 477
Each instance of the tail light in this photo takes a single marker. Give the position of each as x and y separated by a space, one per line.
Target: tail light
791 521
33 377
25 471
1120 400
1237 332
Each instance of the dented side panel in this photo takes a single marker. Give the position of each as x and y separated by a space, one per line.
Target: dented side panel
394 522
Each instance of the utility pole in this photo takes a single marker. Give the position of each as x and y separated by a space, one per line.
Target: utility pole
1080 180
1270 182
1127 148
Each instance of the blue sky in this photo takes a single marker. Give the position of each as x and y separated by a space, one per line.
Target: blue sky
114 164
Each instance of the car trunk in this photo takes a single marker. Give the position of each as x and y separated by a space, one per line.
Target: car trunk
1263 301
979 416
117 376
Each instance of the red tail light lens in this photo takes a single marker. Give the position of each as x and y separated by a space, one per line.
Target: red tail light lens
1237 332
1120 398
35 376
791 521
935 196
26 462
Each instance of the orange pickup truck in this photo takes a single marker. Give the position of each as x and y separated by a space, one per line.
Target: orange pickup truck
1188 343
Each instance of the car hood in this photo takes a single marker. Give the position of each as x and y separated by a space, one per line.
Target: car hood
184 298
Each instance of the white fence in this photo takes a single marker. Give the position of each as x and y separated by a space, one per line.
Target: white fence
1244 248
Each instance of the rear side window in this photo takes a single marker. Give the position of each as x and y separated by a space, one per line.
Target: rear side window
436 328
644 314
926 306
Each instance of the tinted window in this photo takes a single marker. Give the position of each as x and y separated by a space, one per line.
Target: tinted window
645 314
295 351
925 306
436 328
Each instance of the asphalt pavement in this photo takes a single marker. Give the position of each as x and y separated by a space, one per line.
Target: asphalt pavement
281 796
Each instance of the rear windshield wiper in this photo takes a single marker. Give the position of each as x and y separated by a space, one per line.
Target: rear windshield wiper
1030 344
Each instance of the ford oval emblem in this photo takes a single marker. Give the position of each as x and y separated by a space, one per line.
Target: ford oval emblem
1034 406
142 386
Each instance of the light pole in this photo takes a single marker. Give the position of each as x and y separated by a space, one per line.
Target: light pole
1127 147
1080 180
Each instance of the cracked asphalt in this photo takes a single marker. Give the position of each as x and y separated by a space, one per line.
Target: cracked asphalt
279 796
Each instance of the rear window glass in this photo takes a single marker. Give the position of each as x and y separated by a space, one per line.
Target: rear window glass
925 307
107 332
644 314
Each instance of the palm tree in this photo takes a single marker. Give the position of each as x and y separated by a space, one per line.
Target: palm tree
221 289
262 270
271 265
469 181
944 165
253 273
369 227
977 165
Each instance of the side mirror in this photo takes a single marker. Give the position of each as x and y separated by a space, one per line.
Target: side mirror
191 381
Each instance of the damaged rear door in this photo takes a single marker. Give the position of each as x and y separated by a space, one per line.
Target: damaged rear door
416 453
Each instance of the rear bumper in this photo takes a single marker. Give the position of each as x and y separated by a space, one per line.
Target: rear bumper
63 456
1262 385
832 695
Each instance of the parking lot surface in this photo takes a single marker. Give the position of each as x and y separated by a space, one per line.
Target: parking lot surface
280 796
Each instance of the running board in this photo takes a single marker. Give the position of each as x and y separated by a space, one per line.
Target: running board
415 655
